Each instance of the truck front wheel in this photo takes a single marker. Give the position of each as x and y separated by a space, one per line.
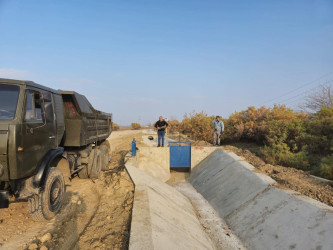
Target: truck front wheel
47 203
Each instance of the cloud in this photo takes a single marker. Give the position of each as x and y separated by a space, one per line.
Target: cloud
14 73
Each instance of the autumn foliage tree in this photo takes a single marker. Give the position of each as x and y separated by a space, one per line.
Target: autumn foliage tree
285 137
174 126
265 125
280 130
198 126
135 125
115 126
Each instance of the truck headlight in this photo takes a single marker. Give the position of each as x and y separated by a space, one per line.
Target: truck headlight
2 169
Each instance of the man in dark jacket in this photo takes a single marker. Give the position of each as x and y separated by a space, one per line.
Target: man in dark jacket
161 125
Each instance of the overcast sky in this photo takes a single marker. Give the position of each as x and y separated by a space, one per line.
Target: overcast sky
141 59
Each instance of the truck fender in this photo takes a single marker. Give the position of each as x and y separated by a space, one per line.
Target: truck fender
39 178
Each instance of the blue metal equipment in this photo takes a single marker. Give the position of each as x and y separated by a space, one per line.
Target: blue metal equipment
180 155
133 147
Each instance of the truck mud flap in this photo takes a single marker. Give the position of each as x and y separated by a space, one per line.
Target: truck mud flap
4 199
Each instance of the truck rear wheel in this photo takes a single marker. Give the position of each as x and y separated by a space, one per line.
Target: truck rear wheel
96 166
86 171
105 157
106 143
47 203
83 173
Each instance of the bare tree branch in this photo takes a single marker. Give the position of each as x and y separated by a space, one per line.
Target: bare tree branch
322 97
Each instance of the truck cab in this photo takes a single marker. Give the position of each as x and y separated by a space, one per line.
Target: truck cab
33 142
29 132
28 127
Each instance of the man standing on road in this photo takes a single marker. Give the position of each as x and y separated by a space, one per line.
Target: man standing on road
161 125
218 130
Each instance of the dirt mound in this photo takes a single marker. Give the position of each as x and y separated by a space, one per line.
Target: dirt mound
289 178
201 143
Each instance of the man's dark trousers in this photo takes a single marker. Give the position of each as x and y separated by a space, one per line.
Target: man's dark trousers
161 134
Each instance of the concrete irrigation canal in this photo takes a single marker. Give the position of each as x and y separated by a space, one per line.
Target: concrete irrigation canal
221 203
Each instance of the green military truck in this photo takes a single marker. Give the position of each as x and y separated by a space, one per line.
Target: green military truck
47 137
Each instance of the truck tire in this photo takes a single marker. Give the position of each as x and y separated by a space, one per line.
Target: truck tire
96 166
105 157
91 160
106 143
63 165
83 173
47 203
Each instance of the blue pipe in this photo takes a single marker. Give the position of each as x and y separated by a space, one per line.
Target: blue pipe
133 147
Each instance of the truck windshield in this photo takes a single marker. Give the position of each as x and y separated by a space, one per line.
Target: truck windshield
8 101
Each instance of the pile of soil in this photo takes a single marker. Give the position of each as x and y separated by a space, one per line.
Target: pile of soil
289 178
201 143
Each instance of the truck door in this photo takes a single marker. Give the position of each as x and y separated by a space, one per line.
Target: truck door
38 130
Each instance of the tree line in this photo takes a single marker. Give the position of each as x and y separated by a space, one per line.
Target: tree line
293 139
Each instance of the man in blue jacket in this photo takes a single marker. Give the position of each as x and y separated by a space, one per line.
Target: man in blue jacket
218 130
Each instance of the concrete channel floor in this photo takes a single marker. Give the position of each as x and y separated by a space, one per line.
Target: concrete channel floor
162 218
215 227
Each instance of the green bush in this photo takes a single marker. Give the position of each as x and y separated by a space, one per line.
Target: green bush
292 133
320 132
280 154
326 167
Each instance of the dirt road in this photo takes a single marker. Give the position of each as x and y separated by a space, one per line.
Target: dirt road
95 215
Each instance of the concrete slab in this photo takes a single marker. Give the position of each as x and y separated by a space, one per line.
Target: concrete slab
226 185
278 220
198 154
262 216
141 237
162 217
154 161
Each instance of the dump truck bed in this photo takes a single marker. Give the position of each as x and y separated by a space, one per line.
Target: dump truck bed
83 124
